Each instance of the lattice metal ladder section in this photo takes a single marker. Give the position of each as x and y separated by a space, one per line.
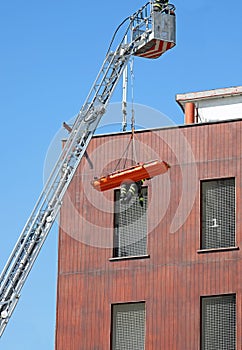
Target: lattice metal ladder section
47 207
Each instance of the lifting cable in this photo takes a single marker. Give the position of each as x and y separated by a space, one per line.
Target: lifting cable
134 156
133 136
131 142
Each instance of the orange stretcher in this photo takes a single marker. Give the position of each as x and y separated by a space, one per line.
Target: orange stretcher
141 171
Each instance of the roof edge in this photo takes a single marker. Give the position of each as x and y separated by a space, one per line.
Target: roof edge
181 99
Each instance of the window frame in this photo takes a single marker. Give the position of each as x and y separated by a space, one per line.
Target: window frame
128 257
216 249
207 297
112 337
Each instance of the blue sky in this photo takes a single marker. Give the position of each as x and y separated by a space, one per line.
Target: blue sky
51 52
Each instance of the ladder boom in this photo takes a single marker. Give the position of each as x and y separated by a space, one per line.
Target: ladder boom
48 205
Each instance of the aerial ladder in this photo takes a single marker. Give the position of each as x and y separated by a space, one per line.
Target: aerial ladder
148 34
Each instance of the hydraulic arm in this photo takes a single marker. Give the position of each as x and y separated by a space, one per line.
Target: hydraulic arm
140 32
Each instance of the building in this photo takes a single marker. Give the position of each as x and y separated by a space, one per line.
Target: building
165 275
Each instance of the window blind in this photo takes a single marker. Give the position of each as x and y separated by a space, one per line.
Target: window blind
219 323
130 226
218 213
128 332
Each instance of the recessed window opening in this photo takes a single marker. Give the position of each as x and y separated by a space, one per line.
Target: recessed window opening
218 213
130 226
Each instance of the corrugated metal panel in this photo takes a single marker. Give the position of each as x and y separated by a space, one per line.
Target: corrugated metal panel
175 276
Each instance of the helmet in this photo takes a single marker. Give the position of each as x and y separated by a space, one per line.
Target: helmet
160 2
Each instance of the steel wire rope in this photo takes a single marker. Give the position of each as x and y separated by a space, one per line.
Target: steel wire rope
131 141
134 155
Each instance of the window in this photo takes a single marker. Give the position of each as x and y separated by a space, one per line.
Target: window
218 323
128 326
130 226
218 213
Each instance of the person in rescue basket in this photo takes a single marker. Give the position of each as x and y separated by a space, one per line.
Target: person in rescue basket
159 5
128 191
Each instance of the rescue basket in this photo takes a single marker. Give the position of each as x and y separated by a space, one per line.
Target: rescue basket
140 171
162 36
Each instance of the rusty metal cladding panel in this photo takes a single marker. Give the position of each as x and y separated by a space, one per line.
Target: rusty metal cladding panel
176 272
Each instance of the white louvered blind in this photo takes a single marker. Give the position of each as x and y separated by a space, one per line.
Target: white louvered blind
130 226
218 213
219 323
128 331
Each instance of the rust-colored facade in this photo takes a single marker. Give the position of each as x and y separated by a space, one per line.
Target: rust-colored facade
176 272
